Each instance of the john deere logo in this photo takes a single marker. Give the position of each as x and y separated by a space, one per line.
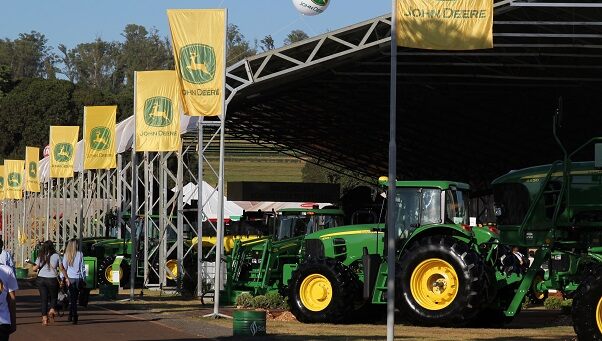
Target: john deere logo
320 2
63 152
197 63
2 183
158 111
100 138
14 179
33 169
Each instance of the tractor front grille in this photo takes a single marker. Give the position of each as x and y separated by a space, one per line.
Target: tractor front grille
314 248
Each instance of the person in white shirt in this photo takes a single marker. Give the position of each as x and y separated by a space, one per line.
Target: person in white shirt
5 257
8 307
72 269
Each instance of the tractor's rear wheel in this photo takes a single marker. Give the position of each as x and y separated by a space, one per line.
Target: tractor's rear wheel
322 290
587 307
441 282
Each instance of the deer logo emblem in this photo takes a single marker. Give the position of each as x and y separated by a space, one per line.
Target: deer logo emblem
197 63
63 152
100 138
2 183
14 179
158 111
33 169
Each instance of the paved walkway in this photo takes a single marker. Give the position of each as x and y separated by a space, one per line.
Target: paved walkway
100 323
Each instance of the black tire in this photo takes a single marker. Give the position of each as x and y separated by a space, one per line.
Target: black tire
587 302
468 267
493 316
107 263
344 285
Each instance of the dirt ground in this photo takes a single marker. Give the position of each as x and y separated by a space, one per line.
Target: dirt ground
532 324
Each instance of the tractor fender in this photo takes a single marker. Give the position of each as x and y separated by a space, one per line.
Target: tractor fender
451 230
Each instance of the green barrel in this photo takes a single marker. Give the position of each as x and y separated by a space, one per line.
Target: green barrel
22 273
249 323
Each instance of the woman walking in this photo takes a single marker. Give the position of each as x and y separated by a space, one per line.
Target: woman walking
73 270
47 265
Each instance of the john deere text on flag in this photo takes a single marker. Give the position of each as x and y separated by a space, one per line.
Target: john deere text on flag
13 175
157 111
2 196
99 137
199 45
445 24
62 150
32 158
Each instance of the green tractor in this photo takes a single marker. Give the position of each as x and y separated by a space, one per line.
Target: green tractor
440 278
258 266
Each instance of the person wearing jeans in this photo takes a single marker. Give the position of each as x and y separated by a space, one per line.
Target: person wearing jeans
47 265
73 270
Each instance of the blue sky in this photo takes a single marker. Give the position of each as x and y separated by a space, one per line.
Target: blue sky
76 21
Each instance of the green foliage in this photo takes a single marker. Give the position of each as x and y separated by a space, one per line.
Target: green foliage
271 300
28 56
319 172
276 301
237 46
260 302
244 300
558 303
295 36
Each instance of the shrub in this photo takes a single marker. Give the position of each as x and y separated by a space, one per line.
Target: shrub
260 302
566 306
275 301
244 300
553 303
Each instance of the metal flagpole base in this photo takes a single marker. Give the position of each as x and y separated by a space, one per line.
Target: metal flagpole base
217 315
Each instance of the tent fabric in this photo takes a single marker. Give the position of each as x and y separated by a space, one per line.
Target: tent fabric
124 138
211 197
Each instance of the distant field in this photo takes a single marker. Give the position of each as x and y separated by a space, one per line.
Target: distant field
277 169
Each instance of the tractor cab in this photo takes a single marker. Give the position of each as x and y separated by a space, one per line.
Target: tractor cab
422 203
297 222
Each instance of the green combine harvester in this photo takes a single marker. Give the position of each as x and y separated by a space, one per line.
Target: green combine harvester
260 266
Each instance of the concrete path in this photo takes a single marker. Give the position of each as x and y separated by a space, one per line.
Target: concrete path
99 323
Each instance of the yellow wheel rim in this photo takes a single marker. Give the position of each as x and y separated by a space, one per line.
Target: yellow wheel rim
315 292
172 266
540 295
434 284
109 274
599 315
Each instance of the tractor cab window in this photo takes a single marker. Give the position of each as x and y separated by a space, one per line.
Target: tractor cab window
320 222
417 206
511 203
292 226
456 207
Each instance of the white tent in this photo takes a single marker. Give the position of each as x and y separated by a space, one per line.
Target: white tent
211 196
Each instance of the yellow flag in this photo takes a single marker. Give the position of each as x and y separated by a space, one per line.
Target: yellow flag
32 158
62 150
99 137
199 45
445 24
2 196
157 111
13 173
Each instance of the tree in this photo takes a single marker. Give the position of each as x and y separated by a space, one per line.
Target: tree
267 43
28 56
6 82
143 50
29 109
95 64
295 36
315 172
238 48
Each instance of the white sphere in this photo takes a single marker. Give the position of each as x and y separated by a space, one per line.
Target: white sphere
311 7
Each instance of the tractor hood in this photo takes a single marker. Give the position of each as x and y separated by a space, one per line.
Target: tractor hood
346 231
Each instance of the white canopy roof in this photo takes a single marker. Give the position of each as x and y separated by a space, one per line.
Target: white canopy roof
211 196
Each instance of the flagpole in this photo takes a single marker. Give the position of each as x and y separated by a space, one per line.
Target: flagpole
391 231
134 209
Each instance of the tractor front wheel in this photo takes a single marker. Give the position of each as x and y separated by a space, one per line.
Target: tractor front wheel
322 290
105 272
587 307
441 282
